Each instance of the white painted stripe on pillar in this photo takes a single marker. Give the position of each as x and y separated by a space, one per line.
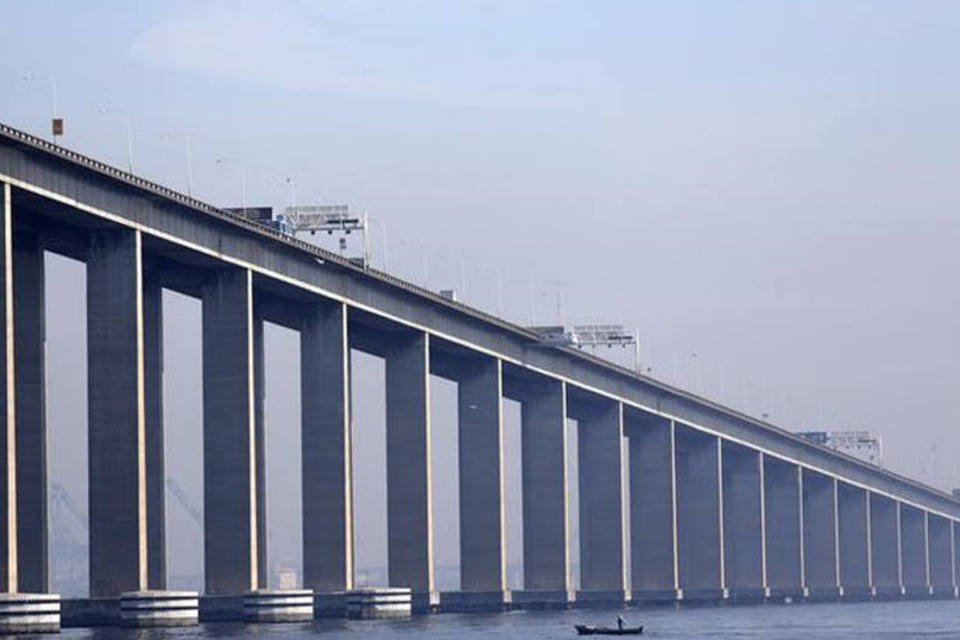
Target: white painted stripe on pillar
141 422
673 507
567 579
431 577
869 502
836 532
762 462
899 547
252 435
723 564
801 523
953 555
349 560
11 417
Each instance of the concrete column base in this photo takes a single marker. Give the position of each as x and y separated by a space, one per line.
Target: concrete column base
470 601
388 602
543 599
895 592
748 595
89 612
665 596
160 608
221 608
278 605
824 594
330 605
601 598
856 594
705 596
29 613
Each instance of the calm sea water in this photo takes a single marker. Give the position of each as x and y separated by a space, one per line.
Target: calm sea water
798 621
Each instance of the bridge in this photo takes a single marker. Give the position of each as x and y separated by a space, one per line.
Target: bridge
680 498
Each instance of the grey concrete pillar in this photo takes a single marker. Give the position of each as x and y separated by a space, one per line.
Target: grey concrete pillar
955 549
8 472
153 417
653 549
885 545
31 428
853 510
782 508
260 446
409 525
600 447
482 527
743 522
118 532
544 478
699 514
325 439
941 555
229 441
913 550
820 533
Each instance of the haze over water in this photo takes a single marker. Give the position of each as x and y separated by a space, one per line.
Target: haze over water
822 621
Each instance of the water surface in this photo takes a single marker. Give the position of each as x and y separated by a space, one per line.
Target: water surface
939 619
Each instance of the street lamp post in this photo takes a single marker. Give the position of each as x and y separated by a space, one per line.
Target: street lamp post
223 160
187 138
105 110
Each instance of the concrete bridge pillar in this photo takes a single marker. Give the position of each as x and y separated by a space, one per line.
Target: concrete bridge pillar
603 571
21 612
955 548
743 525
653 549
885 546
229 435
153 433
853 528
8 436
31 428
325 439
482 527
913 549
820 535
941 556
782 508
546 573
260 446
699 515
409 517
118 531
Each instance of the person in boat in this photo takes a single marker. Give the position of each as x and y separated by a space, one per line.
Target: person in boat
620 622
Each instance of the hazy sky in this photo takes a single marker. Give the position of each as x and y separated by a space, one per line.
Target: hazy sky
771 186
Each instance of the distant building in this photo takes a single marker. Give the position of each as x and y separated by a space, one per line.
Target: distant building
864 445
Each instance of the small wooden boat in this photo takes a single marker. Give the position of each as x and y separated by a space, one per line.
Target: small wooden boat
587 630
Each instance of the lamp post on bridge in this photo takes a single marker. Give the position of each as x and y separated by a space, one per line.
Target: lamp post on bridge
189 142
224 160
106 110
